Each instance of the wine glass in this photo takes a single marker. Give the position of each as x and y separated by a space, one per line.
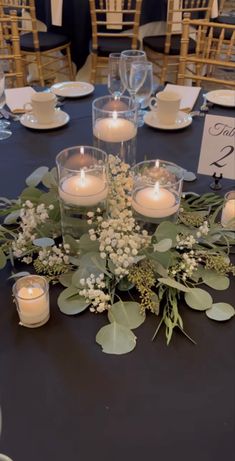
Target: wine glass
127 58
141 77
4 124
115 84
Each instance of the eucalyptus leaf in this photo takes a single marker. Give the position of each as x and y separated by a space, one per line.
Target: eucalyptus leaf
198 299
18 275
125 284
44 242
50 179
220 312
166 229
73 244
66 279
127 314
163 246
12 217
215 280
35 178
70 302
32 194
116 339
3 259
88 245
172 283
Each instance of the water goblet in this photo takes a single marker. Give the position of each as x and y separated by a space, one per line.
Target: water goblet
115 85
4 132
141 78
127 58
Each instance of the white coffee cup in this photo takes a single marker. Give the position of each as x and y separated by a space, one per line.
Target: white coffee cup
166 105
42 106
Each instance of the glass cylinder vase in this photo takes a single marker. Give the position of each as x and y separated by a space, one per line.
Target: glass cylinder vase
157 187
83 187
228 211
115 126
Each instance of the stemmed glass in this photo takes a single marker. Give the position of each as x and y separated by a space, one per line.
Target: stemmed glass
141 78
127 58
4 132
115 84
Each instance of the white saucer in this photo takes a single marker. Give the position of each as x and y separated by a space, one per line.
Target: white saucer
222 97
182 120
30 121
72 89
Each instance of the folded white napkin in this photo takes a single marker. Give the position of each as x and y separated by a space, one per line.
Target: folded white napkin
188 94
56 12
16 98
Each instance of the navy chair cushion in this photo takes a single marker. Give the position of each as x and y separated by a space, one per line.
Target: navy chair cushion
107 45
47 41
157 43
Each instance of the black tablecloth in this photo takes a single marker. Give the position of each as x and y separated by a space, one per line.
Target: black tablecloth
62 398
77 24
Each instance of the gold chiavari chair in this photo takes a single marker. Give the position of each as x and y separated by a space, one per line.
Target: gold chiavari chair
115 25
10 55
211 55
37 47
164 50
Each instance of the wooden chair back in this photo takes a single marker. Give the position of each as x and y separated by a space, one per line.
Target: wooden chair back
211 53
177 9
10 55
110 17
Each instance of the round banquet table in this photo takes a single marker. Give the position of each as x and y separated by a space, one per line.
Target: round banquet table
61 397
76 22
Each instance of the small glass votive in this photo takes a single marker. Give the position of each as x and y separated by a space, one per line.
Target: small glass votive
228 211
31 295
115 126
83 187
157 187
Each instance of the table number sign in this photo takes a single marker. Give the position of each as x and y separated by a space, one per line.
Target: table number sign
218 147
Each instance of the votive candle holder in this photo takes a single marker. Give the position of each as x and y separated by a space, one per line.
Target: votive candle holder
31 294
228 210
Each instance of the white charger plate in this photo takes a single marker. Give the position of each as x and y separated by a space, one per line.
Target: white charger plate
30 121
182 120
72 89
224 98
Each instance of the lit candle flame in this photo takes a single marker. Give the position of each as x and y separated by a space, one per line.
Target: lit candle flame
115 115
82 177
30 291
82 150
156 190
157 164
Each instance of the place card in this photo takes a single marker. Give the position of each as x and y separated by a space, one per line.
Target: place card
16 98
188 95
218 147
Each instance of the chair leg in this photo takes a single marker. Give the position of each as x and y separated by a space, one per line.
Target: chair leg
70 64
93 67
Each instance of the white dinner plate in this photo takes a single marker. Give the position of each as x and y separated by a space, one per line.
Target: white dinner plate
182 120
72 89
30 121
222 97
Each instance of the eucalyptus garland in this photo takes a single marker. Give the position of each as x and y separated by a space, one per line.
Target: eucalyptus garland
117 260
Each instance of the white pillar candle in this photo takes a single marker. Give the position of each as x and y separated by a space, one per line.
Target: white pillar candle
33 305
83 189
228 213
114 129
155 202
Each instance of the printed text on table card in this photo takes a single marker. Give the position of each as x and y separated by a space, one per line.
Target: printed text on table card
218 147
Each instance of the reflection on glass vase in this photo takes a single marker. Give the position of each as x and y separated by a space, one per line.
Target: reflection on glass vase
115 126
157 187
83 188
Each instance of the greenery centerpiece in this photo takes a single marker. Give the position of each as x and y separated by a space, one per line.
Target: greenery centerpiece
117 260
